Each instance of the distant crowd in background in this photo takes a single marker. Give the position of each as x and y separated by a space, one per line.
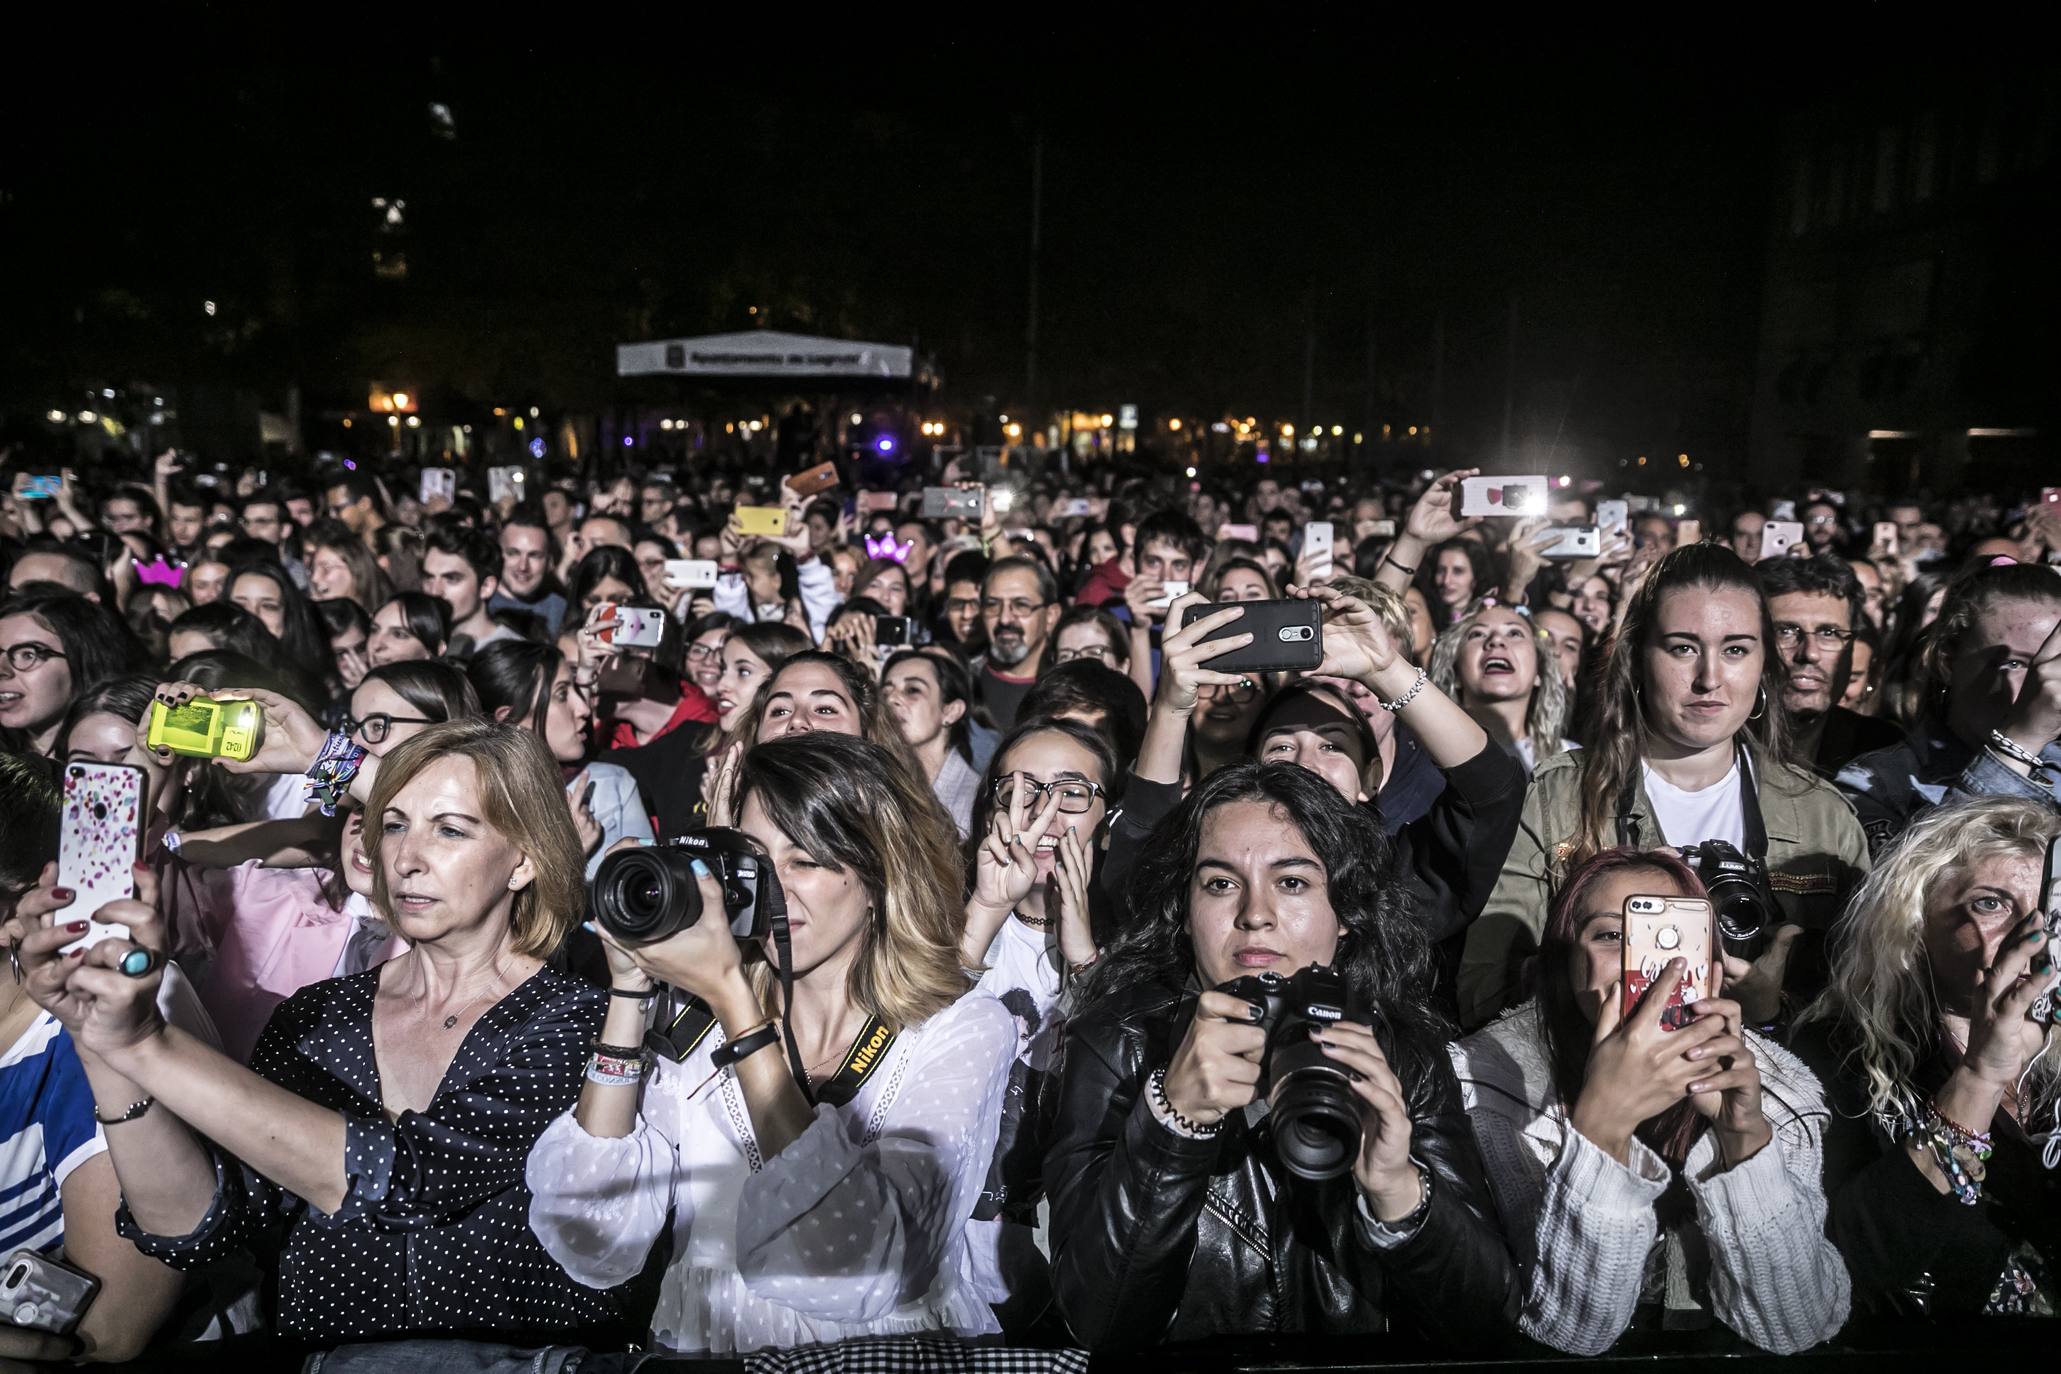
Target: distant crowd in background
704 911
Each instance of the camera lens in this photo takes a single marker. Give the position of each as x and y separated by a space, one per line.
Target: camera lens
644 895
1316 1122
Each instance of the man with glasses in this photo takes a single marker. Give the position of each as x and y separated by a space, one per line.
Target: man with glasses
964 573
1019 604
1815 603
1823 528
354 499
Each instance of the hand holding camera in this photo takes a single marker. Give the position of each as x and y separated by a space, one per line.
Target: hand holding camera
1216 1068
679 910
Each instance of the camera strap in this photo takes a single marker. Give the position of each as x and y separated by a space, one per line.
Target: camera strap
1749 810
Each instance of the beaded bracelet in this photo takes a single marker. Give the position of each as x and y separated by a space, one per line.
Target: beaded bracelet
2011 749
1962 1154
612 1071
1406 698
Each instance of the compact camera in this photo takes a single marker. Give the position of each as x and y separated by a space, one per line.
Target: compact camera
1314 1117
1739 894
644 895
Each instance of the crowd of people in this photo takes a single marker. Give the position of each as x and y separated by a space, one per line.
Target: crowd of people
921 934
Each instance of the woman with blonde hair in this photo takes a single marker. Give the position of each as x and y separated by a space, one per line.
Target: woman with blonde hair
376 1144
816 1154
1503 672
1943 1082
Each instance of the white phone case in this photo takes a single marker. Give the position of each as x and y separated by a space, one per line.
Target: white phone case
99 842
1317 543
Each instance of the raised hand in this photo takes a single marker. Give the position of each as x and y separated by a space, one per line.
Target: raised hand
1006 866
1436 518
1185 654
2034 720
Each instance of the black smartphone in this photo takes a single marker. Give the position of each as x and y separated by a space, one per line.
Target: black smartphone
892 629
1287 636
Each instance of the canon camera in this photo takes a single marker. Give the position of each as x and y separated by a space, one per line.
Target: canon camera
1314 1117
1738 890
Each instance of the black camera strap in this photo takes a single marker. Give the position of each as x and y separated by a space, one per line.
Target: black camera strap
1749 811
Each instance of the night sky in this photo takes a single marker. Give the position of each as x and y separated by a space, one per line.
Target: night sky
1210 204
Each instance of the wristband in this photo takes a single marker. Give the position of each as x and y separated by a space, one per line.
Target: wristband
1155 1088
745 1045
2013 750
329 780
1403 568
129 1113
643 996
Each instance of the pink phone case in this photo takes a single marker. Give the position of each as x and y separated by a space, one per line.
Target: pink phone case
99 843
1660 928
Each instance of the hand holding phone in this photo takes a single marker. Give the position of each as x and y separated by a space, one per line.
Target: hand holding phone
100 838
762 522
691 574
1778 537
811 481
1657 930
205 728
627 627
1510 496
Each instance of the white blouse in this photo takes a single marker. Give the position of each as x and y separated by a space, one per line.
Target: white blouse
858 1228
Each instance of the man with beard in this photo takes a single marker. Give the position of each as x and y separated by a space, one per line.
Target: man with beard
1815 604
1019 604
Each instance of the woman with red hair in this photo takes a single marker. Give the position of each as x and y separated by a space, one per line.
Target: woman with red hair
1648 1177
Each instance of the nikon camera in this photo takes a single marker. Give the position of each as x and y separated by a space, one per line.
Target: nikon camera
641 896
1739 896
1314 1117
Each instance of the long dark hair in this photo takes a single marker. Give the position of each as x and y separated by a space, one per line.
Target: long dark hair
432 686
427 617
97 643
1611 763
954 683
301 632
1478 558
1383 954
517 674
1568 1033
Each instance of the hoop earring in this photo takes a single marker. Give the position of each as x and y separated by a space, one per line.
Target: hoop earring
1760 704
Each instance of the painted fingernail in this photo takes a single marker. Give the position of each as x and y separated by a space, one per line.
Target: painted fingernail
78 927
76 954
2035 937
62 894
700 868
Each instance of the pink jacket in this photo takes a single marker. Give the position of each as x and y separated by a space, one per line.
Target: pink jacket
251 937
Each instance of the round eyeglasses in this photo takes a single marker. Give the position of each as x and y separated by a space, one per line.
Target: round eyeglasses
1075 794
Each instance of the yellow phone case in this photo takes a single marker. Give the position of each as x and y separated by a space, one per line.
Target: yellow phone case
207 729
765 522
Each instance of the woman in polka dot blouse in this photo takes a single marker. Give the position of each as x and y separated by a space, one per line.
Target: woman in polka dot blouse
377 1141
793 1220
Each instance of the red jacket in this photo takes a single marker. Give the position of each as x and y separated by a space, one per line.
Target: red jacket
1105 584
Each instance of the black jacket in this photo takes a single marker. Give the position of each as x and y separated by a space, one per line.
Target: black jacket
1158 1237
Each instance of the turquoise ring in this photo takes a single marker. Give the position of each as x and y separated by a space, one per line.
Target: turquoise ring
138 962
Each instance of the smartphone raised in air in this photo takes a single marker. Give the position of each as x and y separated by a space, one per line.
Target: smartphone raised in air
99 841
1656 930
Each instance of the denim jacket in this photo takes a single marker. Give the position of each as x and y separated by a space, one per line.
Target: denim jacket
1889 787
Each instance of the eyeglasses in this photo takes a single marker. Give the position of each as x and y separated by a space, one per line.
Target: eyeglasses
698 653
1021 609
962 603
1101 653
1827 636
1075 794
26 657
374 729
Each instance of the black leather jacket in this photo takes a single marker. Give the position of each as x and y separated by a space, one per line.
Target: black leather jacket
1158 1237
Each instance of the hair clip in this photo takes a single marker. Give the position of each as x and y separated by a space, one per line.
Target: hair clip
885 546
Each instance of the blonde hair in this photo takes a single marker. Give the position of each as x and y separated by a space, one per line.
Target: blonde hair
1545 716
1385 602
853 804
1881 988
521 798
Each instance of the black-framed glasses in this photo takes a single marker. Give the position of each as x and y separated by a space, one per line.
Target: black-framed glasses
1075 794
1241 691
374 729
1101 653
26 657
698 652
1824 636
1021 609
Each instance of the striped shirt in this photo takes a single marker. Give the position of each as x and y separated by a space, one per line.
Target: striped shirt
46 1131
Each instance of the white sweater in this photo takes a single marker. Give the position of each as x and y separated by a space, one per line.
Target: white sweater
1583 1225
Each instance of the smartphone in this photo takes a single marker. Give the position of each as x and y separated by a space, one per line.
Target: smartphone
205 728
809 481
2046 1008
1169 593
1688 532
940 503
1656 930
41 488
894 630
1249 533
1287 635
1075 507
1572 541
627 627
1613 515
690 574
870 501
438 482
1886 536
1316 542
99 841
2049 496
1778 537
45 1294
765 522
504 484
1782 510
1503 496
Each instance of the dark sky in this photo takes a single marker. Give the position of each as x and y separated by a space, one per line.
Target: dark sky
1211 204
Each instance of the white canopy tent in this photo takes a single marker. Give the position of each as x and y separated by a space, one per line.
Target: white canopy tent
763 354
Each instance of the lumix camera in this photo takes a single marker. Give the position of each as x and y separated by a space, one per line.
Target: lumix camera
1314 1117
641 896
1739 896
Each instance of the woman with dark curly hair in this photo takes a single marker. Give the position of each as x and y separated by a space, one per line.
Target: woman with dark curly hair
1168 1147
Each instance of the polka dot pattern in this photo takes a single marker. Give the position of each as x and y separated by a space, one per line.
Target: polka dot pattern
433 1235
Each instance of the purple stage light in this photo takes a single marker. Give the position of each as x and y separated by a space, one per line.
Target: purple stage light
885 443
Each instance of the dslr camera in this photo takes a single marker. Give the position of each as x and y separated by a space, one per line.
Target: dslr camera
1312 1112
1739 896
641 896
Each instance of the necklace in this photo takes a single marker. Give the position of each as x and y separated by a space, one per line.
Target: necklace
451 1021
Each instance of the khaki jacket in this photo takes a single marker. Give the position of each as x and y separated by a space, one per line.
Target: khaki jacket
1817 856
